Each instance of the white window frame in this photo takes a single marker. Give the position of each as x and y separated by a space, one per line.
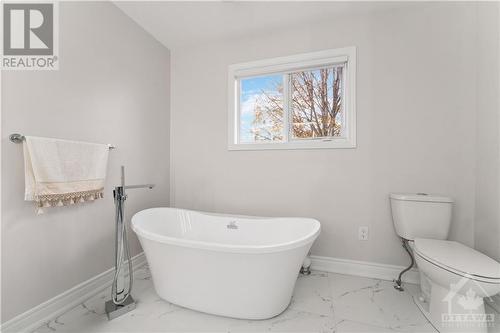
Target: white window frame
284 65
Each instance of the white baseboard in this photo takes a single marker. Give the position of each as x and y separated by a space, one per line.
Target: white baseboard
363 268
56 306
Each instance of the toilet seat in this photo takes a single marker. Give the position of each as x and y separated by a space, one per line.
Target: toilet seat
458 259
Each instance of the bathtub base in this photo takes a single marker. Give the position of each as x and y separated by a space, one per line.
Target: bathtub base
229 314
243 286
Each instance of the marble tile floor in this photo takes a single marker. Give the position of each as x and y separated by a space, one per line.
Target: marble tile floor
322 302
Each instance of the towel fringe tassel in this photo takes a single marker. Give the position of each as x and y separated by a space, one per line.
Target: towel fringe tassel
53 200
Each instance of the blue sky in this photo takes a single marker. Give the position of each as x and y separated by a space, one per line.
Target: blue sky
251 89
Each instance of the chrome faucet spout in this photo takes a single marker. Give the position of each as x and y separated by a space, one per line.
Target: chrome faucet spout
150 186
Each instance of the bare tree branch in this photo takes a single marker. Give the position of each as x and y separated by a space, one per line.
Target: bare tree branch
316 102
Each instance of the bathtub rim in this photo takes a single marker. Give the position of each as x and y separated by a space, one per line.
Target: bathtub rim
228 248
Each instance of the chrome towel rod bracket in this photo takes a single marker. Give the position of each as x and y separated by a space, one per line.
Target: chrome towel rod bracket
16 138
19 138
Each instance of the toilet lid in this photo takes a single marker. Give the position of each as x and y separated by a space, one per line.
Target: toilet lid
458 257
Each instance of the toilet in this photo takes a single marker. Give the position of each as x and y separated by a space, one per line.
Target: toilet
454 278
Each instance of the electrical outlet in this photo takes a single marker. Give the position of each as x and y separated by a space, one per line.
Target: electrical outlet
363 233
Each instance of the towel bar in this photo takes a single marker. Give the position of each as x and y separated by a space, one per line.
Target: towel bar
18 138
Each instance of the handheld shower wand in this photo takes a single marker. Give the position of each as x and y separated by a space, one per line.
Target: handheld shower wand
121 301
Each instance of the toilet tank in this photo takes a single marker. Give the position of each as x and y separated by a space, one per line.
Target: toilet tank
421 215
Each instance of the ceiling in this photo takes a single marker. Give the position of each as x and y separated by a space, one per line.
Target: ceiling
180 24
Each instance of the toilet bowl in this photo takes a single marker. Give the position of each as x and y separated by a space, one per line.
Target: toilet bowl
455 281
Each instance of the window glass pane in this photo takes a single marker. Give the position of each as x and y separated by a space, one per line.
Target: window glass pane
261 109
317 106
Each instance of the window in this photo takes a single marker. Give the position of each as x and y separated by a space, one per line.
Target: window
298 102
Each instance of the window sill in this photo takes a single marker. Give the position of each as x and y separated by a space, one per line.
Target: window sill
309 144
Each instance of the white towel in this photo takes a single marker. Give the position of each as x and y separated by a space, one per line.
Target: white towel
61 172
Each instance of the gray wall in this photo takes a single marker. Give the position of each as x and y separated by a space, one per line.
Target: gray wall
487 219
112 87
416 129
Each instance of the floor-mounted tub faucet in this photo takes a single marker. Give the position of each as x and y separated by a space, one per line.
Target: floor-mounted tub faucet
121 301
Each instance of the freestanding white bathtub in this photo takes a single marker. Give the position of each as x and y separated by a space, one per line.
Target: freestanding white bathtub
234 266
